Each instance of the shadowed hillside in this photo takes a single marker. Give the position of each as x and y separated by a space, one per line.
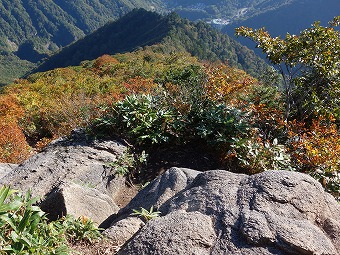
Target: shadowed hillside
171 34
30 30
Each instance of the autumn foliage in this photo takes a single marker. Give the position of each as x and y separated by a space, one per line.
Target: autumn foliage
13 145
316 150
153 99
224 82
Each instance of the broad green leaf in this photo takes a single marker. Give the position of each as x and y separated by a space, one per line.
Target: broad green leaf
25 221
13 206
9 220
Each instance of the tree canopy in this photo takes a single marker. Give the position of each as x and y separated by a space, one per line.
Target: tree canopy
309 64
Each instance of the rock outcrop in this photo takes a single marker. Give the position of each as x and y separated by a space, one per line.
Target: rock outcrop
218 212
212 212
161 189
6 168
72 176
77 200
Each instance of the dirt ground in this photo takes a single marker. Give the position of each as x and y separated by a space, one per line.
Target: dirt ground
101 247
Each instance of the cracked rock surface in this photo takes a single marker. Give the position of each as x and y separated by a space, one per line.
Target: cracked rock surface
72 176
219 212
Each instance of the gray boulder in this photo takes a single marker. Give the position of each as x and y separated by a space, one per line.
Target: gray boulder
76 159
72 175
6 168
275 212
124 229
77 200
190 233
154 195
161 189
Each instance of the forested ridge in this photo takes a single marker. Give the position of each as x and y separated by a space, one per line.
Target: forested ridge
58 23
30 30
169 33
51 24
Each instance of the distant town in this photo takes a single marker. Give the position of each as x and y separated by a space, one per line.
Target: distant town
220 21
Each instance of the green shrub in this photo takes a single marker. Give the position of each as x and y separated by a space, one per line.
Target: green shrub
151 122
81 229
139 118
128 163
254 155
145 214
143 119
24 228
217 123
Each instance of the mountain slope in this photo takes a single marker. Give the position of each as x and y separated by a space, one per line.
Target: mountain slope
32 29
228 10
171 34
43 26
137 28
291 18
58 22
